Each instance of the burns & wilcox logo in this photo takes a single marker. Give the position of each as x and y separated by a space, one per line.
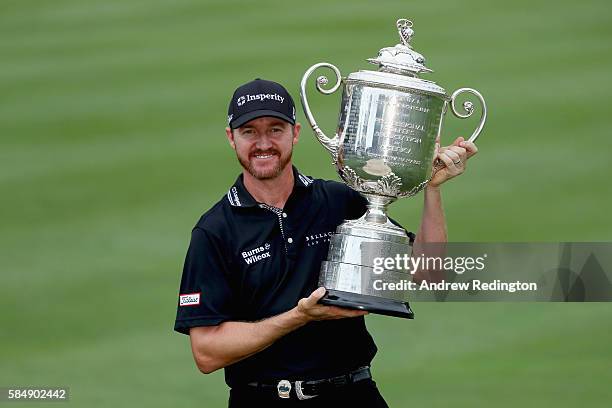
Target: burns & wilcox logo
256 254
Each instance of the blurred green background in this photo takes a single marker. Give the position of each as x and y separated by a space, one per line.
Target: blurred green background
112 146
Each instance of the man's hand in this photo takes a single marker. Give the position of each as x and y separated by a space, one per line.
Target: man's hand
454 158
310 310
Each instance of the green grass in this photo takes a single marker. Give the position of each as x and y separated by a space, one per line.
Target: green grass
112 145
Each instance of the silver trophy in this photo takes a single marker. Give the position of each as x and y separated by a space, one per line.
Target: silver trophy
384 148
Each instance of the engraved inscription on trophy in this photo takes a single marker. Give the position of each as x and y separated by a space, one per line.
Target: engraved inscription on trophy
387 127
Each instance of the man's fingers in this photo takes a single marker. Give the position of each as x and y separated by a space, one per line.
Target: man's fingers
447 161
453 155
343 312
454 158
356 313
458 141
316 295
335 312
459 150
471 148
310 306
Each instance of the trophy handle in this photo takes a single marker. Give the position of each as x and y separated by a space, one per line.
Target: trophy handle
468 108
330 144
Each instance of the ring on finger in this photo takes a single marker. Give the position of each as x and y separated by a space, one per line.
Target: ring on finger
457 162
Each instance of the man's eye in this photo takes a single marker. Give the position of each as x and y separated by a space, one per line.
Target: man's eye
247 132
277 130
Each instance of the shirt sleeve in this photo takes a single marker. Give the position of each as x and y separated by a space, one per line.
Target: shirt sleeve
205 296
357 206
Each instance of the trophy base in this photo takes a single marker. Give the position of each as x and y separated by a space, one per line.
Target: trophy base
374 304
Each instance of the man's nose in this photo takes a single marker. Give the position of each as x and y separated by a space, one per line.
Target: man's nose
263 142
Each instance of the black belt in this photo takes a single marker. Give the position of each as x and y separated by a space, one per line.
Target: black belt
309 389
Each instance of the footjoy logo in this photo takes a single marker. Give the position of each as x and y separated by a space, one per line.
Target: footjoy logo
189 299
259 97
235 195
256 254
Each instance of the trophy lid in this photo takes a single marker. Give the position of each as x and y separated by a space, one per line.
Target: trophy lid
399 66
389 79
401 59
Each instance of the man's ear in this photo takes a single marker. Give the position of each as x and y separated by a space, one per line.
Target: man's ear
296 132
230 137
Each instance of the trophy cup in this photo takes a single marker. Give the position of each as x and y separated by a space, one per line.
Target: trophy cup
384 149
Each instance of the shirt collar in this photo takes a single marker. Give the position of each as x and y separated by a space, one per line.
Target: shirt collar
238 195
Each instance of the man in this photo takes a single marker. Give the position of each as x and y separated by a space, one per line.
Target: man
248 295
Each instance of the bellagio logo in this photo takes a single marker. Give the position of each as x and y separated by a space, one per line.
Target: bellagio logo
320 238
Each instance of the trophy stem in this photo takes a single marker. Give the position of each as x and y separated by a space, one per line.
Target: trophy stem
377 208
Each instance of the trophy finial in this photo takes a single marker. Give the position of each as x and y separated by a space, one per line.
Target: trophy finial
401 58
404 27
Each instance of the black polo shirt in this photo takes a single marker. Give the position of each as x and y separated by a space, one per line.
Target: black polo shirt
248 261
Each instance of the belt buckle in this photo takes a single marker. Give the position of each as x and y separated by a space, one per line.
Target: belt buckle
300 393
283 388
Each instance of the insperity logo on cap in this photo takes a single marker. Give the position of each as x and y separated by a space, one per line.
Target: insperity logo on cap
260 98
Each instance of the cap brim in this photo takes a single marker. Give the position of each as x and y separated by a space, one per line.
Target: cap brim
247 117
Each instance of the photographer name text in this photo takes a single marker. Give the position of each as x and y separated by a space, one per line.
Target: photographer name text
445 286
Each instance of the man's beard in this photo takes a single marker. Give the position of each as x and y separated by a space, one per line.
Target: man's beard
268 173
